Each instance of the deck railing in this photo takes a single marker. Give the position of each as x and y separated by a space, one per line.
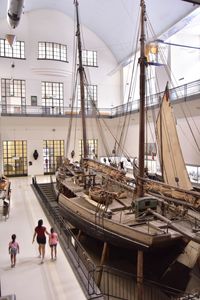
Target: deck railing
181 93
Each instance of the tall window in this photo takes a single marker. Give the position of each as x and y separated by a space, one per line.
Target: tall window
92 145
13 97
52 51
90 96
16 51
53 153
52 97
15 158
89 58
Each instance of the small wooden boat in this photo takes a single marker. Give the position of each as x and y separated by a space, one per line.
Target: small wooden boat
101 196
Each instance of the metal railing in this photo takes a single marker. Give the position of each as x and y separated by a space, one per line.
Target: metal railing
48 111
183 92
120 285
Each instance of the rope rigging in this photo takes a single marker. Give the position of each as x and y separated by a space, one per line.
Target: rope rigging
123 126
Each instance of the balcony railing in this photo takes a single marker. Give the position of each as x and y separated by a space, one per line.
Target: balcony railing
184 92
48 111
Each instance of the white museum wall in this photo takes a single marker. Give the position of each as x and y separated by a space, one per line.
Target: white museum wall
185 62
54 26
35 129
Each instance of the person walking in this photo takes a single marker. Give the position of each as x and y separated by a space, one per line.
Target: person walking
13 249
53 241
40 234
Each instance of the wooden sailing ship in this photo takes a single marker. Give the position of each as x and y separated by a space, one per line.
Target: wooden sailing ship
103 202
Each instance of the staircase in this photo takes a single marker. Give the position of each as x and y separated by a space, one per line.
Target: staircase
48 198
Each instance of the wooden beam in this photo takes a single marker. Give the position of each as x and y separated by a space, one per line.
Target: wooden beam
140 294
103 259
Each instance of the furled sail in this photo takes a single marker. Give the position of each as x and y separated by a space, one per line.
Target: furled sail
172 162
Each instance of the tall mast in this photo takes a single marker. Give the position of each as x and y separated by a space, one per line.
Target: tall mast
143 63
81 76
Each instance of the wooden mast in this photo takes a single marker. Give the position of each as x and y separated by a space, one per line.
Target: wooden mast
161 142
143 64
81 76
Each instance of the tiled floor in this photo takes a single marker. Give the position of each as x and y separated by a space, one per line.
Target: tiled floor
53 280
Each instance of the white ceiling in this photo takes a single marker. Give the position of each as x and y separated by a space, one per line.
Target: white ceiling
114 21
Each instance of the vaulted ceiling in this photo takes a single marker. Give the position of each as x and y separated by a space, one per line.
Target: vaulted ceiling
114 21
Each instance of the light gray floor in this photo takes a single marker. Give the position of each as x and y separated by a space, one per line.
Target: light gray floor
30 279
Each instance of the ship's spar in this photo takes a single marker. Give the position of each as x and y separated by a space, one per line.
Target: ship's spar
143 63
81 76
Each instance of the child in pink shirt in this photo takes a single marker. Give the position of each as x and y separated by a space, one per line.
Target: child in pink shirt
53 241
13 249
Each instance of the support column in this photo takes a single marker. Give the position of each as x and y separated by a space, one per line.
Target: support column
103 259
140 260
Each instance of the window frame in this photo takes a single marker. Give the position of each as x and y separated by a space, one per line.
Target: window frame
89 61
15 156
17 51
52 102
51 161
92 145
13 90
52 51
91 96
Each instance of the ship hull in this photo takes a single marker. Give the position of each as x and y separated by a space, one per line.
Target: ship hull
109 231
